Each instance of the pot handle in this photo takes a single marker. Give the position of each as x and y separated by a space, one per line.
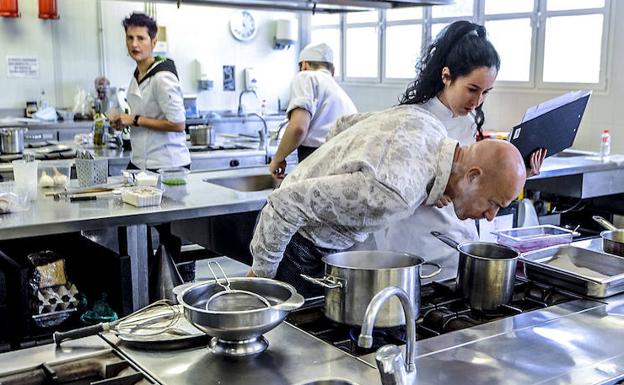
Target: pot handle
446 239
327 282
293 303
605 223
436 272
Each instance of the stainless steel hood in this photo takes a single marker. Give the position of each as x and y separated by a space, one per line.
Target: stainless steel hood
328 6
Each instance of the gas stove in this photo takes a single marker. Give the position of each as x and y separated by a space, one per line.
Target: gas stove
442 311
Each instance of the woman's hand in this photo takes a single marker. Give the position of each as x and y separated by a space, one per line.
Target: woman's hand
121 121
537 158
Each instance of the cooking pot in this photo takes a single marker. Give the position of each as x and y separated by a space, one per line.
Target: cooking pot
12 140
612 239
353 278
486 272
202 135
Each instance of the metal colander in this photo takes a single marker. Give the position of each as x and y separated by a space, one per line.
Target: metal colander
233 300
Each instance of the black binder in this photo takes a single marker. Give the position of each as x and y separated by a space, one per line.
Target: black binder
554 130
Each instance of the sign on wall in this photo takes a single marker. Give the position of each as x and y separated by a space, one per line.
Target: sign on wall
22 67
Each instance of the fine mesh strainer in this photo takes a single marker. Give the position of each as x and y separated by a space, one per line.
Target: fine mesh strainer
233 300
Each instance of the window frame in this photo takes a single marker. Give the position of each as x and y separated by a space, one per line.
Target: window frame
537 17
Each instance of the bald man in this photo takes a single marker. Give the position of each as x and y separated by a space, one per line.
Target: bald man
376 168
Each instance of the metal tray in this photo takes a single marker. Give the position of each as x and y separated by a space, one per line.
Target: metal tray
583 271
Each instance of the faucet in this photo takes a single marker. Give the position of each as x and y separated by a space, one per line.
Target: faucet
264 134
389 358
240 99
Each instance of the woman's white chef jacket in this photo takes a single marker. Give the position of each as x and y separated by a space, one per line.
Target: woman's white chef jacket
412 234
158 95
318 93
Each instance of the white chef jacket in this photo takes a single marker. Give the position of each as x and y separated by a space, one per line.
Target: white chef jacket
412 234
318 93
379 169
159 96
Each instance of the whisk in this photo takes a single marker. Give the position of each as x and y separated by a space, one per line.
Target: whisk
233 300
156 318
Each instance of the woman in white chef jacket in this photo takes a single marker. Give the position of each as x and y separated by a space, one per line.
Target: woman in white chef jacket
455 74
156 101
158 120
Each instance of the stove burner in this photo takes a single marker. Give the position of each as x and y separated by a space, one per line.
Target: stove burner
441 311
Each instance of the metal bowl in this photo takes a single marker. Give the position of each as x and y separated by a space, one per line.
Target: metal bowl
240 325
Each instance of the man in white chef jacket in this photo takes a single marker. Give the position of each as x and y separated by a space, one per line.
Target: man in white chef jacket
156 101
316 101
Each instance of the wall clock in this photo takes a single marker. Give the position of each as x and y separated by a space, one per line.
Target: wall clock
243 26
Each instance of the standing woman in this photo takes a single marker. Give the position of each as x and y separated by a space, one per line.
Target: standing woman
454 75
156 101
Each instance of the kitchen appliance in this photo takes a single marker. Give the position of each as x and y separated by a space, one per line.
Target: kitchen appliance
613 238
239 334
587 272
202 135
485 274
12 140
442 310
353 278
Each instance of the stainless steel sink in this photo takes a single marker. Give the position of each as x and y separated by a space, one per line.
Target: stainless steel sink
246 183
330 382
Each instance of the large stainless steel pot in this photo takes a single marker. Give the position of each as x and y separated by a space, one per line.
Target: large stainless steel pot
202 135
239 333
12 140
353 278
612 238
486 272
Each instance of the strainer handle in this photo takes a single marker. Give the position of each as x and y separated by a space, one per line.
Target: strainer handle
227 281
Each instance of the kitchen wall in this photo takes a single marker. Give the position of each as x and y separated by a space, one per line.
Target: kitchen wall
505 107
71 54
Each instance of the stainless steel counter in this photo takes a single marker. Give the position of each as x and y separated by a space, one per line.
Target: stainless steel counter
580 175
293 357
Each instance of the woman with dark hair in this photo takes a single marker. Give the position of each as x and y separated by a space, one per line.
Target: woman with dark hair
454 75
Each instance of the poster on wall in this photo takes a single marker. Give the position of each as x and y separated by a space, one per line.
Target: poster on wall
22 67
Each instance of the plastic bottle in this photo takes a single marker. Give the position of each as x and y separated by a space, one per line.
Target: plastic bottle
99 126
605 145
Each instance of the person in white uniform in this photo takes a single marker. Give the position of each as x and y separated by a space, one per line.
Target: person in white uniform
157 117
155 97
455 74
316 101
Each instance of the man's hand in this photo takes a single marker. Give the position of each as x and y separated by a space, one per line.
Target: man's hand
443 201
277 169
537 158
250 273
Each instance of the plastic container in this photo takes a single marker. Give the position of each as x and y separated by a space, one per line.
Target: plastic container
25 175
54 173
142 196
141 177
535 237
605 145
173 176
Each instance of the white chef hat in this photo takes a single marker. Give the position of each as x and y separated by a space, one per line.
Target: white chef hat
317 52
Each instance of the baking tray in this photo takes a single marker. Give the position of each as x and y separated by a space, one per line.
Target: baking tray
587 272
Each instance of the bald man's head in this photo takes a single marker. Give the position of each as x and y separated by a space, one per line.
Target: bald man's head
486 176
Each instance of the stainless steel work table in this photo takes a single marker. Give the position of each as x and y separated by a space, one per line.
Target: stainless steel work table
194 200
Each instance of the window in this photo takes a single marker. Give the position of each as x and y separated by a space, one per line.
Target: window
539 41
362 45
326 29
